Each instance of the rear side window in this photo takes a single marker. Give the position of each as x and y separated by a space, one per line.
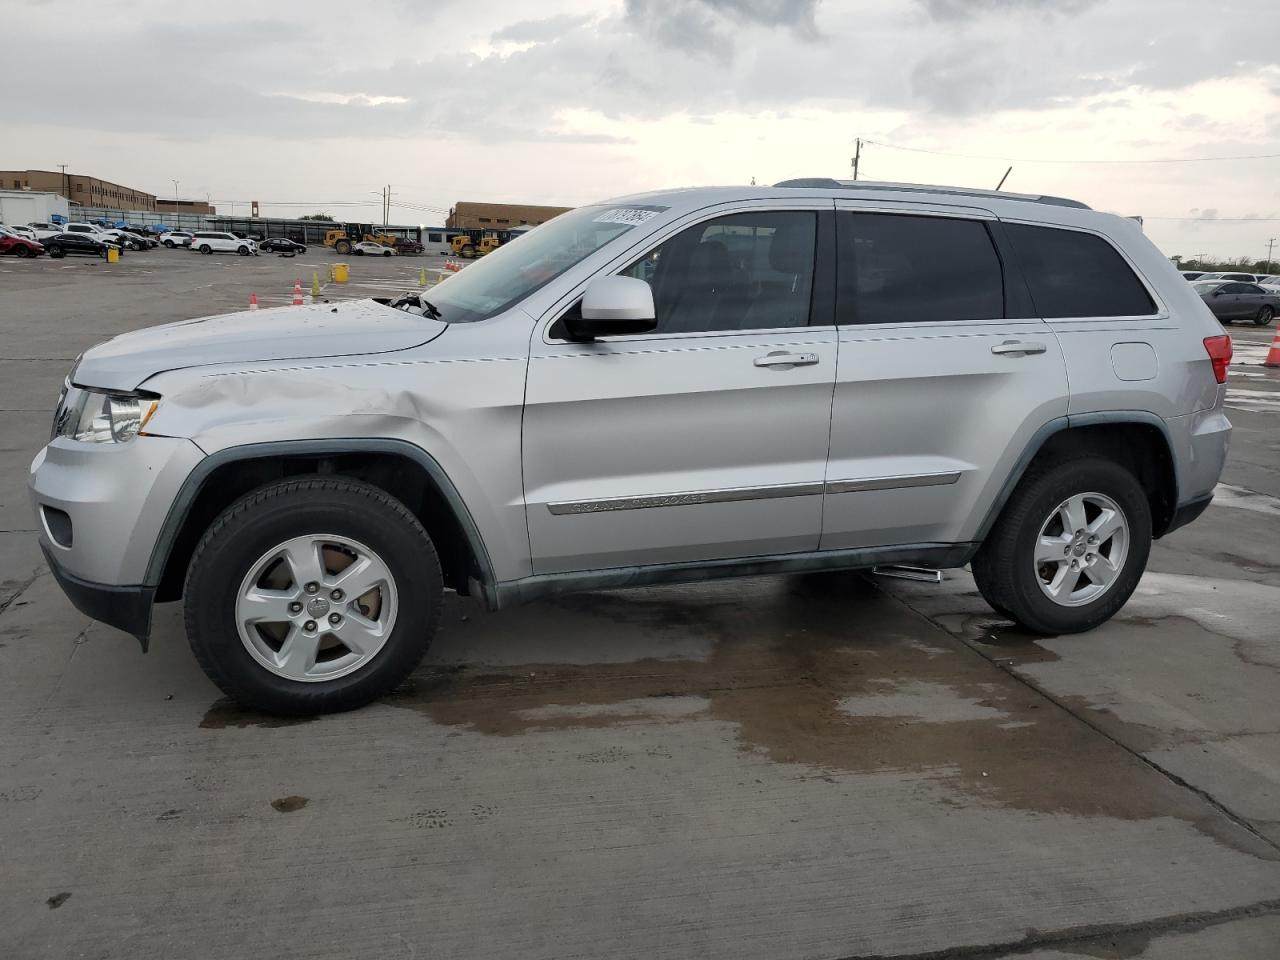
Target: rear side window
1074 274
916 269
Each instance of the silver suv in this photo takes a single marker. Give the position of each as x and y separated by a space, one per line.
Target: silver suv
671 386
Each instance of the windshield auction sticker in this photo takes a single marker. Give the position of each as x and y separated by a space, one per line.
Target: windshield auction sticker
631 216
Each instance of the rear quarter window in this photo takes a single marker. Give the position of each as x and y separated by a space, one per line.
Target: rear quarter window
1076 274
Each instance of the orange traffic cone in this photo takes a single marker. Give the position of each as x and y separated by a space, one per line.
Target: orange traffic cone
297 293
1273 355
253 301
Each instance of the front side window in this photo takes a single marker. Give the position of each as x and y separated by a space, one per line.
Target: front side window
1075 274
744 271
510 273
894 268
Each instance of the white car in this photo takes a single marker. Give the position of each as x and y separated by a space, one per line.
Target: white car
25 232
219 242
369 248
176 238
45 230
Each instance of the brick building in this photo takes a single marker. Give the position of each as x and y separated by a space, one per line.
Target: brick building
467 215
80 190
182 206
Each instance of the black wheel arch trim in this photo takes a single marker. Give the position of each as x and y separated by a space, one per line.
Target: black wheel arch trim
1059 424
191 487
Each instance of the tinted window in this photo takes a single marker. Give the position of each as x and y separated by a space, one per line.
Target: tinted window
905 269
746 271
1074 274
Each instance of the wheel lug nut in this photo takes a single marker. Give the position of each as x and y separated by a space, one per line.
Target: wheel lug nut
312 587
295 607
336 595
335 619
309 626
1075 564
1089 557
1066 551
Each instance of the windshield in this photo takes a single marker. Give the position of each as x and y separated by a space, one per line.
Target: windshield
516 269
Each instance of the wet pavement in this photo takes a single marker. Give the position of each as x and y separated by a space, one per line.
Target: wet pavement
829 766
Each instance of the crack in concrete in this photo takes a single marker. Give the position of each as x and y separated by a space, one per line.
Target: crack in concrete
1093 935
23 587
1062 704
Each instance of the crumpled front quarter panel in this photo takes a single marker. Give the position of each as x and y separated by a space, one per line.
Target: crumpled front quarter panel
458 398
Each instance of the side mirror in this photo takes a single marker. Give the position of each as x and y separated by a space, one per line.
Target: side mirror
1218 293
613 306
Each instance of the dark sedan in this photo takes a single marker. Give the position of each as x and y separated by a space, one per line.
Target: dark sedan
1232 300
61 244
281 245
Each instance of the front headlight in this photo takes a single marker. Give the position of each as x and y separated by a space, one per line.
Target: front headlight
94 417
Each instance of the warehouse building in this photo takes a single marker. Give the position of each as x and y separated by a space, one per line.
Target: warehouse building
80 190
468 215
19 207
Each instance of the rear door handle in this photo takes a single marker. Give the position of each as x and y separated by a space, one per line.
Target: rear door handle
783 359
1018 348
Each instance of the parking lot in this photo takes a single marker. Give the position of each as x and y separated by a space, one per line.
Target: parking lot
824 766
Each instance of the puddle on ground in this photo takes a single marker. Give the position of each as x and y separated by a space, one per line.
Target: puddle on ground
789 658
288 804
227 713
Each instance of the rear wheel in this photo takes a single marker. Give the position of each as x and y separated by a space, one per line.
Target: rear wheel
22 252
55 250
1263 319
205 248
469 252
309 596
169 244
1069 548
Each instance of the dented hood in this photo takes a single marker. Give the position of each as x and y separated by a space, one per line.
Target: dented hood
354 327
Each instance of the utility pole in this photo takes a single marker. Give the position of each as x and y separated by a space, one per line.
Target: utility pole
1200 259
1270 243
857 155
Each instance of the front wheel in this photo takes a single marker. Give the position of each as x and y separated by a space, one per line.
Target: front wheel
55 251
1263 319
310 596
243 251
387 254
22 252
1069 548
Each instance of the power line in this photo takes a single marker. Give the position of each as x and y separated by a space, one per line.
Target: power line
975 156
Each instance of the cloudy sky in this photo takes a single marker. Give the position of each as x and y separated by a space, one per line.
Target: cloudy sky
316 105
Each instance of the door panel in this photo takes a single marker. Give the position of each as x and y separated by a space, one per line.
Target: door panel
933 400
695 442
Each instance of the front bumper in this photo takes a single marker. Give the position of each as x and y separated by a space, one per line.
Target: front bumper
125 608
116 496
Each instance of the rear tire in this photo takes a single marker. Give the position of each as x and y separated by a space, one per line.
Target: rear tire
1008 568
22 252
228 566
205 248
169 244
1263 319
55 251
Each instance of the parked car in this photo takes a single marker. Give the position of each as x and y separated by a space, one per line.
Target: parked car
124 238
12 244
1231 300
19 231
43 230
282 245
651 409
369 248
220 242
1242 277
61 244
1191 274
1268 278
175 238
248 238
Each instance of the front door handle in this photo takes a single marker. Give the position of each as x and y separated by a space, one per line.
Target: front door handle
1018 348
783 359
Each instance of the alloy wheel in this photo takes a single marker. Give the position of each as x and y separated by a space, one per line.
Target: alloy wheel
1081 549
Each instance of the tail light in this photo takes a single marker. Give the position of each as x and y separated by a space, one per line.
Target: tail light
1219 350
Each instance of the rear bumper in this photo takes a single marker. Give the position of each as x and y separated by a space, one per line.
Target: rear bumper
125 608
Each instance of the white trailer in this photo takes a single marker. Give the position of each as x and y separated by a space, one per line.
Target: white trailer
20 207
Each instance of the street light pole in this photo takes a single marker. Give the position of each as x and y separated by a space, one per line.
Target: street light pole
176 221
1270 243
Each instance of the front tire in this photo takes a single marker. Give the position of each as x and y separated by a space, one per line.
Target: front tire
1263 319
243 251
1069 547
272 610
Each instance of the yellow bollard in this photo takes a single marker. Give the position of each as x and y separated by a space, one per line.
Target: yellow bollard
341 273
422 277
113 254
315 283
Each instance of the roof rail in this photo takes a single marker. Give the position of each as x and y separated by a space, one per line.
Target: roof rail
828 183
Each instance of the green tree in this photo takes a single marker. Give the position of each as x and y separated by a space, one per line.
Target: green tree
318 216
